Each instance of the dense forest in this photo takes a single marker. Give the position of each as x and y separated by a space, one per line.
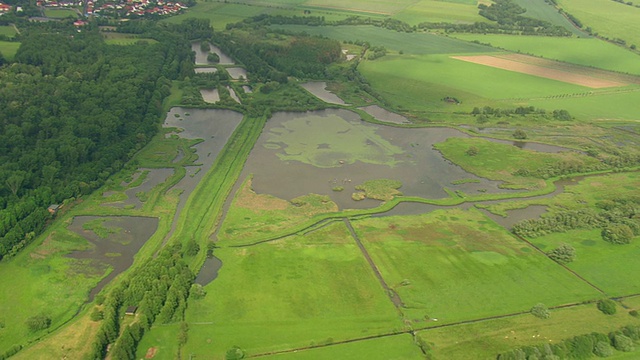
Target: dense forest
73 110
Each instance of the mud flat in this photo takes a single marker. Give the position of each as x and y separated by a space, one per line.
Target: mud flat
319 151
319 89
233 94
385 115
115 240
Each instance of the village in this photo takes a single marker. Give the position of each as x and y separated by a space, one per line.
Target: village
119 9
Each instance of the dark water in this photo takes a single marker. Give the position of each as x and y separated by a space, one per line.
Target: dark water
117 249
421 169
208 271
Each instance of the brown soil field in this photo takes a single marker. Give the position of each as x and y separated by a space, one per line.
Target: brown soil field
544 68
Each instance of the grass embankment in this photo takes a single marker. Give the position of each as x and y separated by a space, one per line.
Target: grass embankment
486 339
455 265
500 161
301 290
607 18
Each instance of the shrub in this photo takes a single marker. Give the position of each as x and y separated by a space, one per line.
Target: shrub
520 134
607 306
96 315
38 322
623 343
197 291
617 234
472 151
634 313
235 353
563 254
540 311
603 349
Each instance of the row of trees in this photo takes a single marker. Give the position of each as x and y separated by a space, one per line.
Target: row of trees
159 288
559 114
73 110
579 347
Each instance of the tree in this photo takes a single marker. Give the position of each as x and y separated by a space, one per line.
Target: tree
540 311
472 151
191 248
213 58
607 306
617 234
563 254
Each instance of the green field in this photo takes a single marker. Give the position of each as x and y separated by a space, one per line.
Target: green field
440 11
301 290
581 51
607 18
7 30
408 43
453 265
540 9
488 338
9 49
60 13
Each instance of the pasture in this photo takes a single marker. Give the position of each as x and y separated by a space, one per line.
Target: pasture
610 19
488 338
453 265
301 290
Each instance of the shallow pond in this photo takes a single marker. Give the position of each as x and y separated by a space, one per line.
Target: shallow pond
319 89
209 271
210 96
237 72
122 237
201 56
385 115
314 152
154 178
214 127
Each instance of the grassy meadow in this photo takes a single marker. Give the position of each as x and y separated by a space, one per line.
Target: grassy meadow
8 49
60 13
545 11
454 265
302 290
7 30
464 11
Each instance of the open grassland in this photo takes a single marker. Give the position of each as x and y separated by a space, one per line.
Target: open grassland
398 347
60 13
542 10
500 161
408 43
591 52
607 18
301 290
161 341
386 7
8 49
454 265
440 11
488 338
256 215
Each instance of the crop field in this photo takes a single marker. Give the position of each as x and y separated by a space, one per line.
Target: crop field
268 288
408 43
457 265
607 18
591 52
525 65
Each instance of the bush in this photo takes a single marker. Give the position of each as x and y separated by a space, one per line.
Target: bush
520 134
623 343
38 322
197 291
96 315
607 306
603 349
617 234
563 254
472 151
634 313
235 353
540 311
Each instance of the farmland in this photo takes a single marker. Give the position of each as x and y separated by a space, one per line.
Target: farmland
450 199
